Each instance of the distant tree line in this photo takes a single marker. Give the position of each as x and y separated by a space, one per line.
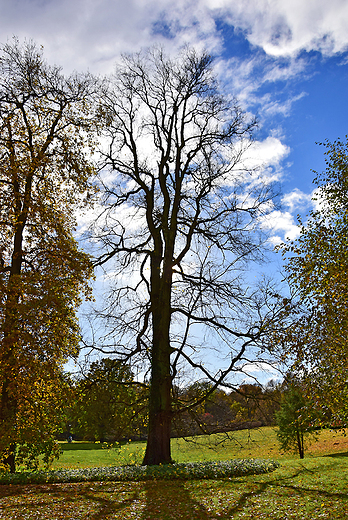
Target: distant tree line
108 405
248 406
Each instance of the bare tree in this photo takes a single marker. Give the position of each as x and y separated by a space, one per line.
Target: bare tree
180 221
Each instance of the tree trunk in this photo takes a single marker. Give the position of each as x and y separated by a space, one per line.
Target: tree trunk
160 404
10 459
8 401
300 443
8 410
160 417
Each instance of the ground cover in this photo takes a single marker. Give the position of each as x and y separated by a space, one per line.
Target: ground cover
314 488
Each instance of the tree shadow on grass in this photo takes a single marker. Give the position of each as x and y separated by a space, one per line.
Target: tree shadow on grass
160 500
113 502
172 501
153 500
338 455
88 500
281 487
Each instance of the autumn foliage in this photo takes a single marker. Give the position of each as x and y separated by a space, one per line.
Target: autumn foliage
45 135
315 338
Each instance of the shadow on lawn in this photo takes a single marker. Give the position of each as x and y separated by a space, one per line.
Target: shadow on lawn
162 500
281 488
156 500
152 500
338 455
171 502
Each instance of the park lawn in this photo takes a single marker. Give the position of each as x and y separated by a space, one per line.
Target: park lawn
314 488
259 443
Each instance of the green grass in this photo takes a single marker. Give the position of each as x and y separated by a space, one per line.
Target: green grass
261 443
315 488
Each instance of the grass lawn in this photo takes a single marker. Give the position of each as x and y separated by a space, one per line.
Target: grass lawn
314 488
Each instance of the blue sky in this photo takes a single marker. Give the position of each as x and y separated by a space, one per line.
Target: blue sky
287 63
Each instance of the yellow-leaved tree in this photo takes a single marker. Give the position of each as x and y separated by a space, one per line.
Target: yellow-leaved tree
46 139
315 340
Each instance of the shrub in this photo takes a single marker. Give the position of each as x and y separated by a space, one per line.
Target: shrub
182 471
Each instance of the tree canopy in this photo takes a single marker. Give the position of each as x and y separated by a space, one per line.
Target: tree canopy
317 266
45 142
109 405
180 221
295 419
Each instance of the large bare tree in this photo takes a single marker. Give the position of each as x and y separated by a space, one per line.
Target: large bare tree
180 221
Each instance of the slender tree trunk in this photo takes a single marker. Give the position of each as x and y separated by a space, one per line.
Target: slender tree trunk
8 409
300 443
10 460
8 401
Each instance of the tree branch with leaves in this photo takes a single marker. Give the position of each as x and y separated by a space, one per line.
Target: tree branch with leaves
46 138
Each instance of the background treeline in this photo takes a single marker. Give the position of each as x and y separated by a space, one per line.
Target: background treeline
107 404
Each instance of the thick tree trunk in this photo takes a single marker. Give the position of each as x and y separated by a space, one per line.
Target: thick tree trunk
160 403
160 417
160 406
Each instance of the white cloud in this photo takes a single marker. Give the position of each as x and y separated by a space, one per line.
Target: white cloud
280 28
284 221
83 34
271 107
248 79
296 200
281 221
79 34
265 157
270 152
284 28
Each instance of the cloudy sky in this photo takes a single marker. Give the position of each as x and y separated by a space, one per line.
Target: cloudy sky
287 62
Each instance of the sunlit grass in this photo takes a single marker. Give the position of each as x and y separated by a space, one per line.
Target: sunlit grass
258 443
88 454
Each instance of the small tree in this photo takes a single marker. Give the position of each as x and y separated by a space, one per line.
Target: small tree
315 338
110 405
295 421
